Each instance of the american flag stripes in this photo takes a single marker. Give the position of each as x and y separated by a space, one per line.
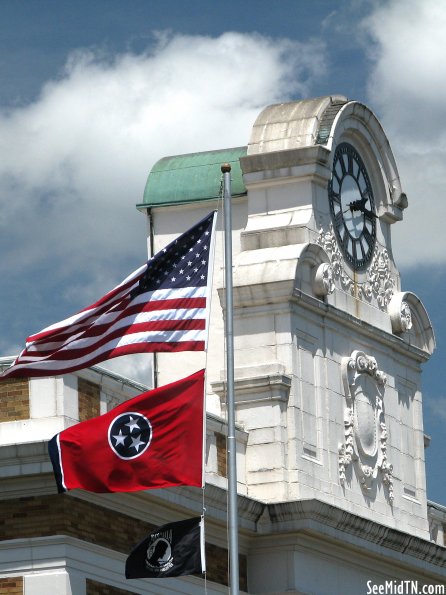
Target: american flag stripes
160 307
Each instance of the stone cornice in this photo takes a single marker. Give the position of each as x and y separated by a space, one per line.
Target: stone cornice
317 516
289 163
364 328
280 294
257 388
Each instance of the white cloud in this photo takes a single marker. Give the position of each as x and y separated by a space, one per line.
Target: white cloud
409 77
75 162
137 367
437 408
407 89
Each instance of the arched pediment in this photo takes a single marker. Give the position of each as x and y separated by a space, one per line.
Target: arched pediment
314 273
355 123
411 322
269 275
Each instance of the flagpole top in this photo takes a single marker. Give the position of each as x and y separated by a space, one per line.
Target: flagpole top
225 168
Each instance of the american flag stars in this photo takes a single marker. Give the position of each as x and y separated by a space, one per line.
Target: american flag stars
167 270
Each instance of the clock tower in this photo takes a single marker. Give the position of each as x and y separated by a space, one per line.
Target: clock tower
331 344
328 349
328 345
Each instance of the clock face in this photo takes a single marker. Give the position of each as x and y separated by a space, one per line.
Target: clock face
352 206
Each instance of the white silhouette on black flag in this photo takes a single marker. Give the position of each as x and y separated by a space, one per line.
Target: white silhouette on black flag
171 550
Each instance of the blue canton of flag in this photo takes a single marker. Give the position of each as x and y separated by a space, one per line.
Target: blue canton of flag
183 263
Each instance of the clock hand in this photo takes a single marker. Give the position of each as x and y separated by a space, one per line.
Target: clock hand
369 213
358 205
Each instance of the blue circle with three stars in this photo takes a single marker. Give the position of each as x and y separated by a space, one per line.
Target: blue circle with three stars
129 435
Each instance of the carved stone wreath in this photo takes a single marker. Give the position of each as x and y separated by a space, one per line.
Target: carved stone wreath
379 284
365 432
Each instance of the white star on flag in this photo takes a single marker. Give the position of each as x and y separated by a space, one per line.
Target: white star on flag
119 438
132 424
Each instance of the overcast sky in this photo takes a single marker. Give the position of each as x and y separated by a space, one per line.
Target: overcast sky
94 93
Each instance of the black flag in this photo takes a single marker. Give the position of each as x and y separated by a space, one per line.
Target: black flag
174 549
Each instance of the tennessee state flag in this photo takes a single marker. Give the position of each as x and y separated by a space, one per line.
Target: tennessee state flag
154 440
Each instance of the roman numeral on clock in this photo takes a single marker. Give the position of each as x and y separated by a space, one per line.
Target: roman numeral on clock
367 237
339 220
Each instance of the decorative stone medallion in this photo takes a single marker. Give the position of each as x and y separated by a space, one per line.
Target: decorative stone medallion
365 442
406 317
324 280
400 313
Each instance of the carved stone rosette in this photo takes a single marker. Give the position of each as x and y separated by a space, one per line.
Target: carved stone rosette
400 313
379 283
324 280
365 432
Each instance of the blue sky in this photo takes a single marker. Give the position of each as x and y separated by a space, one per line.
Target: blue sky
93 93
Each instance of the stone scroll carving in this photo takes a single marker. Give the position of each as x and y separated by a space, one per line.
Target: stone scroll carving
379 284
365 441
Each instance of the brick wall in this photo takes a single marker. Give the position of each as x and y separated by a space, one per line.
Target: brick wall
220 443
89 399
11 586
14 399
217 566
61 514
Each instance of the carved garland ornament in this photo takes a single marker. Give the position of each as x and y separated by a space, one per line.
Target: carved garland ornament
365 432
379 283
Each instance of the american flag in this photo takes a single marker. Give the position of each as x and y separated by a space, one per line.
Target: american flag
161 307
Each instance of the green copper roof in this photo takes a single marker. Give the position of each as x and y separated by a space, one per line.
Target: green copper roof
193 177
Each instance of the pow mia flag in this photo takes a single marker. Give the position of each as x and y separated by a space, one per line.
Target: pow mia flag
175 549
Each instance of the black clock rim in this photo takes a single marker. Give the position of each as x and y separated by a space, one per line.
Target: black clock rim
356 263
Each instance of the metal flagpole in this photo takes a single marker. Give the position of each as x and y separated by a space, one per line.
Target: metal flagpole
231 444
